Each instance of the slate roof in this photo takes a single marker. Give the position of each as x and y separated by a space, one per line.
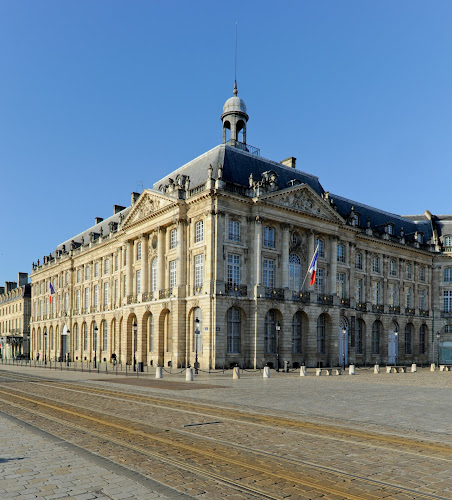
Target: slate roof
237 167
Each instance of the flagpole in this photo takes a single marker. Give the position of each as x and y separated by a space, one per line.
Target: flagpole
310 264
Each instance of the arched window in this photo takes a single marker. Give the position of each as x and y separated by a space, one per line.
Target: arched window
199 231
376 330
296 333
359 336
408 337
294 272
154 274
105 337
321 334
423 339
270 332
234 321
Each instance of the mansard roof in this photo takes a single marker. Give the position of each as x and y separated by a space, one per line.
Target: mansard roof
237 166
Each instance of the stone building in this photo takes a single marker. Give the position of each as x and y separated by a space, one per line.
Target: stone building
15 308
210 265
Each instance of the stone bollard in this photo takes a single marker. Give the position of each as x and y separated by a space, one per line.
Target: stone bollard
442 368
377 369
413 368
351 369
328 372
389 369
188 375
302 371
402 370
337 371
432 367
266 372
236 372
159 372
318 372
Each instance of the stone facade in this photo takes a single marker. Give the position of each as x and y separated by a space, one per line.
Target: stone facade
15 309
210 264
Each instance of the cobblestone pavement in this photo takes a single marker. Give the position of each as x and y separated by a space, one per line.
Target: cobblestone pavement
406 404
34 464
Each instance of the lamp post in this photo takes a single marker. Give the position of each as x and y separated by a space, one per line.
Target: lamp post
396 335
45 347
135 328
438 335
278 329
196 344
344 332
95 345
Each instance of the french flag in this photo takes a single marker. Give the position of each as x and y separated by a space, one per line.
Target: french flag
52 291
313 266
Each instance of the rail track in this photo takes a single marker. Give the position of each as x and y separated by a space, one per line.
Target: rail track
114 423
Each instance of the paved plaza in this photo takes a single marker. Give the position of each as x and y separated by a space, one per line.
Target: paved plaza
34 464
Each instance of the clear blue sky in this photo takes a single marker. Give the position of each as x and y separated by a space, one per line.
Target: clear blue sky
100 97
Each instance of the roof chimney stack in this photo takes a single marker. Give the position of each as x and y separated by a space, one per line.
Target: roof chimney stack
98 219
289 162
117 209
135 197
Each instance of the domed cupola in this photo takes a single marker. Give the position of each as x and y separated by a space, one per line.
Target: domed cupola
234 118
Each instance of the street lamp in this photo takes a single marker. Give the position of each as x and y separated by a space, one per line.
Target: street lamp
278 329
344 331
67 343
438 335
45 347
196 344
95 345
396 335
135 328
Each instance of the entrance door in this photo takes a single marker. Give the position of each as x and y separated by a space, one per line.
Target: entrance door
343 347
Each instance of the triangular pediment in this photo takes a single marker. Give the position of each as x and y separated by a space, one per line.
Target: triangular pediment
149 203
302 198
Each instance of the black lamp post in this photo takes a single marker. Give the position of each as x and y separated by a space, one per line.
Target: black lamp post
135 327
278 329
67 343
438 335
196 344
95 345
344 332
45 347
396 335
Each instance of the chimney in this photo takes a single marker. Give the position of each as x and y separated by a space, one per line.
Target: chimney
2 290
10 285
135 197
289 162
117 209
22 279
97 220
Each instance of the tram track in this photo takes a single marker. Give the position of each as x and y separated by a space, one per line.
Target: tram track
288 474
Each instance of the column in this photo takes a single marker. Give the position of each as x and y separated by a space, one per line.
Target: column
258 251
129 268
161 258
333 264
181 262
351 262
144 263
285 256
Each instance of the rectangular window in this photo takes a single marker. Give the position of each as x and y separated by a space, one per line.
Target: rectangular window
96 269
422 300
319 243
86 299
447 300
234 230
107 266
269 237
448 274
138 280
125 286
268 278
233 269
139 250
393 302
409 301
79 275
359 291
116 262
116 291
173 238
199 270
320 281
376 293
77 301
96 296
106 293
173 274
66 301
341 285
87 273
422 273
199 231
340 253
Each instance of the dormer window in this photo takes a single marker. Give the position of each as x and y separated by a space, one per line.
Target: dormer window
390 229
448 241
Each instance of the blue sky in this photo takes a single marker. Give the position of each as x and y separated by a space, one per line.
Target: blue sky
99 98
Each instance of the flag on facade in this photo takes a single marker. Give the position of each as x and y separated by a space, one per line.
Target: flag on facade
313 266
52 291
